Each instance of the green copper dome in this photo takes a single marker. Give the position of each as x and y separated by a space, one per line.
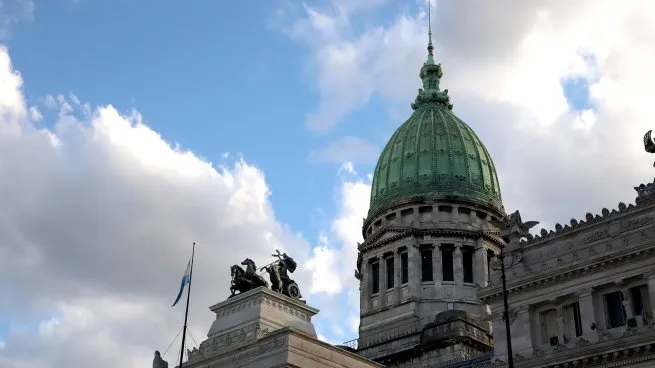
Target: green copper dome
434 155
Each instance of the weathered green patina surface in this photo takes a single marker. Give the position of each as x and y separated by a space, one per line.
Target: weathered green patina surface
434 154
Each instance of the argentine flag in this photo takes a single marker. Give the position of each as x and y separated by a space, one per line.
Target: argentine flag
185 280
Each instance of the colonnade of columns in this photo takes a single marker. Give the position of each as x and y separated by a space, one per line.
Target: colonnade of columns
413 251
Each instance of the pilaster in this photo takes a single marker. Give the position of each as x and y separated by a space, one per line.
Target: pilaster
651 292
438 266
364 290
499 333
457 265
627 303
383 282
521 331
587 315
414 263
397 283
480 276
560 324
365 287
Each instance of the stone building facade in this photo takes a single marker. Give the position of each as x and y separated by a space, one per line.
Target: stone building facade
582 295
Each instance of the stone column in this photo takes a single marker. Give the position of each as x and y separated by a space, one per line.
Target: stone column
383 282
480 264
521 332
651 293
365 287
560 325
437 263
457 264
627 304
414 272
397 277
499 332
587 315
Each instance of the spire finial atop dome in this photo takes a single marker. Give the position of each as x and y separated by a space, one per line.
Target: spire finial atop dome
430 45
431 75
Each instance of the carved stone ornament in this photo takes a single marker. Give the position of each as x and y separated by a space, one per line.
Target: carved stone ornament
241 336
598 235
614 228
583 342
538 353
262 349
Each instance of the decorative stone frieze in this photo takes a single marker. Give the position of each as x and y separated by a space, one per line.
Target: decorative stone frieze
646 197
491 294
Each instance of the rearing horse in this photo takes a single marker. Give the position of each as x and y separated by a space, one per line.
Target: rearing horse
251 274
237 274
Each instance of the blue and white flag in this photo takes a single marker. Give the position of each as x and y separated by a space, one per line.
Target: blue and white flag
185 280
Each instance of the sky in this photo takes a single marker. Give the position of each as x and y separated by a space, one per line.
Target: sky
131 129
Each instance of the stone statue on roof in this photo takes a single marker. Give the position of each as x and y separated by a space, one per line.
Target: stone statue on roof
649 144
158 362
513 228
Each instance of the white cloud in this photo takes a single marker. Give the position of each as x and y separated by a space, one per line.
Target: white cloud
96 225
347 167
337 253
352 149
323 264
504 64
333 263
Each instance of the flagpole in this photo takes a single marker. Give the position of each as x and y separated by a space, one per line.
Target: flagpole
186 313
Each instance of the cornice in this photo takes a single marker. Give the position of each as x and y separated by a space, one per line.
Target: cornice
564 275
578 226
618 352
405 231
427 200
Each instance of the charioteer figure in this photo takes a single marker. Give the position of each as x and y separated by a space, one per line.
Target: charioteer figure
279 275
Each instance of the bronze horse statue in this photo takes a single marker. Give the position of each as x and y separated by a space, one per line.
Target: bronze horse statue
245 280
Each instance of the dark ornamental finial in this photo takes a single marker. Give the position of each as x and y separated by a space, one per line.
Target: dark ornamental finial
430 46
649 144
513 228
431 74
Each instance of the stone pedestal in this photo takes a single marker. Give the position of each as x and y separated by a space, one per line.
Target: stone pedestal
261 310
263 328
